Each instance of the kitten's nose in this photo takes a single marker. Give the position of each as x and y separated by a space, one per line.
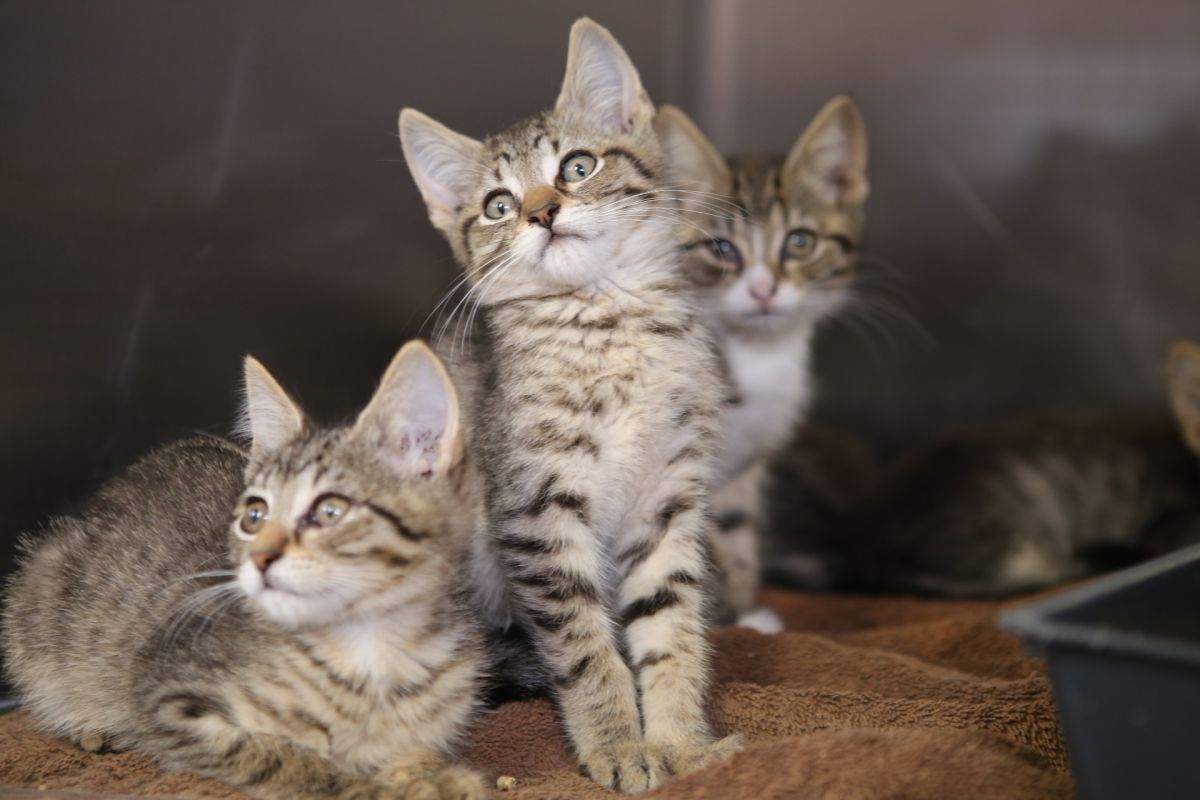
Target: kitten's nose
267 546
543 206
763 292
265 558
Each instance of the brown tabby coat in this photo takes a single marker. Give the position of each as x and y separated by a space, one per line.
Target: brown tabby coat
314 647
1037 500
593 394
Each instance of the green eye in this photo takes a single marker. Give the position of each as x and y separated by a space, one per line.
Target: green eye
498 204
576 167
799 243
255 515
328 510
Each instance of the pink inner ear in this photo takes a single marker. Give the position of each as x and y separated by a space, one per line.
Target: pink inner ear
428 442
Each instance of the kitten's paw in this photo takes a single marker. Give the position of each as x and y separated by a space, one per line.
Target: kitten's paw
91 742
629 767
761 619
460 783
685 758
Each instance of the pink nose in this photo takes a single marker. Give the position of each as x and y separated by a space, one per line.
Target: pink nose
762 293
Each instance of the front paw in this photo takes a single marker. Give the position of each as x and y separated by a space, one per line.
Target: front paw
683 758
629 767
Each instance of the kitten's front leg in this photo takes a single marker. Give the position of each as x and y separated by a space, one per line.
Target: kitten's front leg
553 563
662 611
737 509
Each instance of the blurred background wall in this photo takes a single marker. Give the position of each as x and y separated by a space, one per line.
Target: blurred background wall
184 183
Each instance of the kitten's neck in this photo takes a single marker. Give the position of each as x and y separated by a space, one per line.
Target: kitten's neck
385 651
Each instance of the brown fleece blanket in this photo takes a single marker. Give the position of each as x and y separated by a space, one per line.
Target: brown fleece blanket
861 698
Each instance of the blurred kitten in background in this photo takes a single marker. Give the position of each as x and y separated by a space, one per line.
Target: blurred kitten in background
1038 500
285 619
772 245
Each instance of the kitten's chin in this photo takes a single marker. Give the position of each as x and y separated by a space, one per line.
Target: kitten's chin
571 260
288 609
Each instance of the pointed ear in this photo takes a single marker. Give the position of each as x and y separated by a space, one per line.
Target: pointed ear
692 156
1183 385
830 157
444 164
270 418
413 419
601 82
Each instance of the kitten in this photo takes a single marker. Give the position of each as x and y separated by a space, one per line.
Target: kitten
766 276
327 654
1037 500
593 395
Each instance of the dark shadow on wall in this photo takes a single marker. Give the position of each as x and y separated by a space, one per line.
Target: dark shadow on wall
1063 288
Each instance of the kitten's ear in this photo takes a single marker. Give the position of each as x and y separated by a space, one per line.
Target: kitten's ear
601 82
413 419
1183 385
270 418
692 156
444 164
830 157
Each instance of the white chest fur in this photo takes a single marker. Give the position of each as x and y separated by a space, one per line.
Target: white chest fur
771 380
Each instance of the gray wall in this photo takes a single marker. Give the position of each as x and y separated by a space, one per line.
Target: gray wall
184 183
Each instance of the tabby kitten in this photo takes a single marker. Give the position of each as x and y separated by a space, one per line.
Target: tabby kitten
772 245
327 654
1038 500
592 393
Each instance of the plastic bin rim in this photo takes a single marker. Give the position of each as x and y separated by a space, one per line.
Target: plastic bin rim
1036 622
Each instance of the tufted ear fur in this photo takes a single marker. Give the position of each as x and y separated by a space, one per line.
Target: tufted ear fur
1183 385
270 418
830 157
444 164
601 83
412 422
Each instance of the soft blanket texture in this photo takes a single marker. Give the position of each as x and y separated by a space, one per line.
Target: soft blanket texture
861 698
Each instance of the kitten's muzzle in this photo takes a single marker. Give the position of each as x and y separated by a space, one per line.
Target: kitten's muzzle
543 206
267 547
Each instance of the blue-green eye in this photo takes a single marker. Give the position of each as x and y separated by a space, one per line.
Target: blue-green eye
255 515
577 166
498 204
328 509
799 243
724 250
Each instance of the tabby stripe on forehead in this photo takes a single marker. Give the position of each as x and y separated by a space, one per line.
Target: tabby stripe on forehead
636 162
401 528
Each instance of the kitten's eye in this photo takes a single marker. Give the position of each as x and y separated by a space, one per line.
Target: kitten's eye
724 250
799 243
255 515
576 167
498 204
328 510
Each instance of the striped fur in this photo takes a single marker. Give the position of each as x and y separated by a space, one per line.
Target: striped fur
347 667
593 392
772 244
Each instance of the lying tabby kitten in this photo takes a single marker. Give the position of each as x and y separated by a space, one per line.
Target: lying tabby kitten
331 658
772 244
1038 500
593 395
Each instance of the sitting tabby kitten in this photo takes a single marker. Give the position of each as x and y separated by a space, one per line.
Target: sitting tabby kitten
766 275
331 659
1038 500
593 396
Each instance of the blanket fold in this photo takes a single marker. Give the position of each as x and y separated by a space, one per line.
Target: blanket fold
861 698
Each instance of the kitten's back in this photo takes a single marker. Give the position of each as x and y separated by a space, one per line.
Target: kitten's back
103 581
1025 503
